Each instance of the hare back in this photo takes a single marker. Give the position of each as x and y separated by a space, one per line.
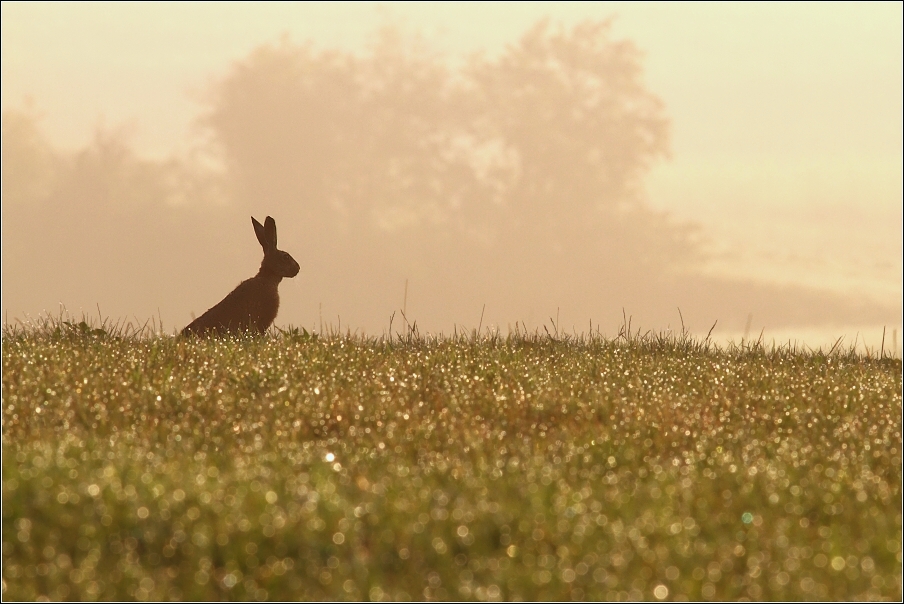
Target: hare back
252 306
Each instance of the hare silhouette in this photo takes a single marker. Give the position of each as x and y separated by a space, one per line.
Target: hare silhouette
252 306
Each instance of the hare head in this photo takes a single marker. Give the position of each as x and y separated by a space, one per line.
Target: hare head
276 262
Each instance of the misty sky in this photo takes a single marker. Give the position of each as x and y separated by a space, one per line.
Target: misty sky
786 119
735 77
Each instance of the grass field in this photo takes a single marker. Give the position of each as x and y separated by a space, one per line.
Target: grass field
490 468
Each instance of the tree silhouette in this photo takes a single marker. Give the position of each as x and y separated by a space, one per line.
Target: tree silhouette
579 129
552 136
30 165
505 166
87 227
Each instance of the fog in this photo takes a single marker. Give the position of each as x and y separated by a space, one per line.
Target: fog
567 172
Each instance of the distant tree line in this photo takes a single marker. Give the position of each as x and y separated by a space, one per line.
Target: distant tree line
514 180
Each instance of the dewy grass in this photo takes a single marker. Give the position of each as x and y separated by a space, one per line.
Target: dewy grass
530 467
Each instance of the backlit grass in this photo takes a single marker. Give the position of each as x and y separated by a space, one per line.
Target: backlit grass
528 467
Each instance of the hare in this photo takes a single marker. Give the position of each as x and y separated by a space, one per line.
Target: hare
252 305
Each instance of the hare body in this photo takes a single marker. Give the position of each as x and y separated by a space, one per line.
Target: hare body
252 306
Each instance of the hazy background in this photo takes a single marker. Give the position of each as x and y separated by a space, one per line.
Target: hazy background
741 162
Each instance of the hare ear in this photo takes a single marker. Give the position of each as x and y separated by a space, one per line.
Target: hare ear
270 231
261 233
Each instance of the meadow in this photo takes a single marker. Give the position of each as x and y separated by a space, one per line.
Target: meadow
534 466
